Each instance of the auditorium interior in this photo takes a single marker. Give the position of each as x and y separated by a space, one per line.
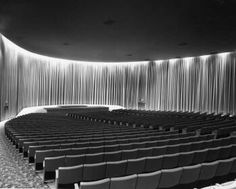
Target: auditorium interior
118 94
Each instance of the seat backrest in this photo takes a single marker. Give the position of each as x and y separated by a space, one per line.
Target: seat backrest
225 152
145 152
67 176
148 180
185 159
190 174
135 166
172 149
100 184
95 149
224 167
112 156
127 182
170 177
72 160
212 154
117 168
153 163
158 151
94 158
92 172
208 170
129 154
170 161
111 148
199 156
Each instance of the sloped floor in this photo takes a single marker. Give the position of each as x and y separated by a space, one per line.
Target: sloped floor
15 172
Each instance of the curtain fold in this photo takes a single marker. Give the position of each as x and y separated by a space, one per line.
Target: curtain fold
205 83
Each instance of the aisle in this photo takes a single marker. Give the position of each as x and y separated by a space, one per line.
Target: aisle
14 170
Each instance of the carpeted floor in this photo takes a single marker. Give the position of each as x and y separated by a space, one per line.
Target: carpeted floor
15 172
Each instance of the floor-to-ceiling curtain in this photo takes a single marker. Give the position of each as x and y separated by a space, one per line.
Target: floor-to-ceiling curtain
205 83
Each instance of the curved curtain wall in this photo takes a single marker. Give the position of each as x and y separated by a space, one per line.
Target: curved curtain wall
205 84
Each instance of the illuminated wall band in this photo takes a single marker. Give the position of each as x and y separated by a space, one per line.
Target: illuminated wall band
205 83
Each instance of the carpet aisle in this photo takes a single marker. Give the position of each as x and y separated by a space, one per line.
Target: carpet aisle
15 172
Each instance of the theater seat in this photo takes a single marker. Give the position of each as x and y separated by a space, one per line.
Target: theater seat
92 172
199 156
73 160
67 176
212 154
116 169
153 164
148 180
100 184
51 164
190 174
94 158
127 182
145 152
112 156
170 177
185 159
135 166
208 170
223 167
170 161
129 154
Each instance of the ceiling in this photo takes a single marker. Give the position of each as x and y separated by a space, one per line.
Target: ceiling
120 30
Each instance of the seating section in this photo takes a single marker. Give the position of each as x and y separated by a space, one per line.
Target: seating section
168 178
127 148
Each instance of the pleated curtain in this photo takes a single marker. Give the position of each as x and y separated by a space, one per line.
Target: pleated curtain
204 84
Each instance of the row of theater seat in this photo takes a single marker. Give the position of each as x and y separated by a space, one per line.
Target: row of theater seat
52 163
84 142
119 145
18 140
178 177
92 172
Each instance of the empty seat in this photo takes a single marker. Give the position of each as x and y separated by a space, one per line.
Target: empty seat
135 166
78 151
173 149
112 156
95 149
116 169
224 167
185 147
111 148
145 152
157 151
126 146
208 170
129 154
224 152
72 160
185 159
94 158
212 154
92 172
67 176
148 180
127 182
51 164
190 174
170 177
199 156
153 163
170 161
100 184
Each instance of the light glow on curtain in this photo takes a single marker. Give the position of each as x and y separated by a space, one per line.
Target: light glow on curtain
205 83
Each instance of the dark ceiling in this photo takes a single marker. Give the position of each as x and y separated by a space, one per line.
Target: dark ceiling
120 30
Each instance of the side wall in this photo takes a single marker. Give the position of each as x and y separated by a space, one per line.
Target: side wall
205 84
